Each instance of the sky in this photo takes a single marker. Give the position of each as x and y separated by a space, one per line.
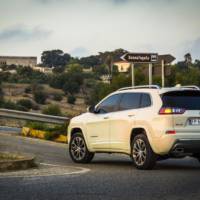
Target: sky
86 27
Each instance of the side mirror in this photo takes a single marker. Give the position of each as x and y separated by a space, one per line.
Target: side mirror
91 109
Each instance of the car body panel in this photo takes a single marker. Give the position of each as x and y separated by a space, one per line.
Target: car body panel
111 132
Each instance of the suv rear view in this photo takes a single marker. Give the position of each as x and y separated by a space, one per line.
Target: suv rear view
185 108
147 122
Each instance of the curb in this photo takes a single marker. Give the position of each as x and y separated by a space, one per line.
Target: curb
12 161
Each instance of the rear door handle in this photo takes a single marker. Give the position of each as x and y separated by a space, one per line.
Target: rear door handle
106 117
131 115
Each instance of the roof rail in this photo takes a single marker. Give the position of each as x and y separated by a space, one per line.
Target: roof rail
188 86
140 87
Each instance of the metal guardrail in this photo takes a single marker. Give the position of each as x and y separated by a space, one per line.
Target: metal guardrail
14 114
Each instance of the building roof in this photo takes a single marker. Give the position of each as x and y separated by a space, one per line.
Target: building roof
18 57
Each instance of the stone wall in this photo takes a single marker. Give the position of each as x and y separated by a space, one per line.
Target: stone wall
17 60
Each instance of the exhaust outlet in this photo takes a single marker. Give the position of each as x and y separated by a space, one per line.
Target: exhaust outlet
178 150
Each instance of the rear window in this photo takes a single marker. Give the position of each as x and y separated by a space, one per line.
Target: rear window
189 100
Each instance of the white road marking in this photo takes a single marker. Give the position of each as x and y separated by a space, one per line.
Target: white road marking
81 170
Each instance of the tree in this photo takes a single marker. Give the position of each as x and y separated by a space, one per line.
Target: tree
71 87
90 61
55 58
197 64
58 80
97 94
40 97
188 58
58 69
120 81
100 70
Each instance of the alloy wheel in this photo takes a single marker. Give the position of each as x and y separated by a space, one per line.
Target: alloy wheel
139 152
78 148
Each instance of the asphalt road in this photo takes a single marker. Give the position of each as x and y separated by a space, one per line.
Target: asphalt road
107 177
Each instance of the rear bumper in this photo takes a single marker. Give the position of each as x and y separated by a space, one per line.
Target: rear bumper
186 146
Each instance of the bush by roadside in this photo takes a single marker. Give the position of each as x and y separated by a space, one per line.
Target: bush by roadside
26 103
52 109
46 131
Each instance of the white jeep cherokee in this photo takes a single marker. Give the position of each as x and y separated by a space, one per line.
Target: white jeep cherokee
146 122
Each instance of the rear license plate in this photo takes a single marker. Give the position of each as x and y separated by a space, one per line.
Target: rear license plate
194 121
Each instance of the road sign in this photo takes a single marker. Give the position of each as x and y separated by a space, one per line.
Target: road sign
140 57
167 58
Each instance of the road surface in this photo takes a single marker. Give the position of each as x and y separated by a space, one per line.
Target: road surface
109 176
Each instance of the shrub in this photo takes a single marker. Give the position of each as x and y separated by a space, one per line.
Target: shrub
25 103
71 99
11 105
52 110
71 87
57 97
40 97
28 90
37 125
49 136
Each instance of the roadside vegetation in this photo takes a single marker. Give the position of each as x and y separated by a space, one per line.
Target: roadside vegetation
76 83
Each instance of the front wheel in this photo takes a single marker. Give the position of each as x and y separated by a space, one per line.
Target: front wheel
142 153
78 150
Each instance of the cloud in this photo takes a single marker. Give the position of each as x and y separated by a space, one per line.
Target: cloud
24 33
84 27
79 52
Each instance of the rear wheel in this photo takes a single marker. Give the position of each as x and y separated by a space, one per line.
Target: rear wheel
142 153
197 156
78 150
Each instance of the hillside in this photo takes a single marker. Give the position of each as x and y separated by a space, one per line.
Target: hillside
16 91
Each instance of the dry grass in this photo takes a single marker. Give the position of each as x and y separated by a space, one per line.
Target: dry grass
15 92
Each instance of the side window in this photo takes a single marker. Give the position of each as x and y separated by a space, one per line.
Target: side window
145 101
130 101
110 104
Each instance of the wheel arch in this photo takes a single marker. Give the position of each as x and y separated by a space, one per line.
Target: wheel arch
75 130
79 130
138 130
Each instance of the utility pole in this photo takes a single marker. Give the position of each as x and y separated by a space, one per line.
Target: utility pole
163 72
150 73
133 73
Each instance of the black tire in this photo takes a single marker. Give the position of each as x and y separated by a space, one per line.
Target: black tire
78 150
143 156
197 156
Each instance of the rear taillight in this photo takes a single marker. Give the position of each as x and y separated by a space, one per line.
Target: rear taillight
168 111
171 132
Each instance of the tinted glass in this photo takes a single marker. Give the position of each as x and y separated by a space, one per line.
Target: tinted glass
130 101
110 104
190 100
146 100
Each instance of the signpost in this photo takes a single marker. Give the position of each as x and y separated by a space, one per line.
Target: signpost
165 59
140 58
